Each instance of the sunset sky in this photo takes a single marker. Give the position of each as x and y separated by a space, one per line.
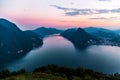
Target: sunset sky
30 14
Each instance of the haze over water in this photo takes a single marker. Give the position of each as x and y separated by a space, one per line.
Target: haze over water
57 50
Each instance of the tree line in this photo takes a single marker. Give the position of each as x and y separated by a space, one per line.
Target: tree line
63 71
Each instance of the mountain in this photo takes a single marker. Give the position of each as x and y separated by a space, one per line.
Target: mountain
46 31
13 41
79 37
83 38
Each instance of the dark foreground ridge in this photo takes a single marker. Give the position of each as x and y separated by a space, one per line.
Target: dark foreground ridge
53 72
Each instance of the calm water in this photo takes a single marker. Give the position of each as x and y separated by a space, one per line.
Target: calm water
57 50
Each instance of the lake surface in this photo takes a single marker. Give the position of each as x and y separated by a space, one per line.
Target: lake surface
58 50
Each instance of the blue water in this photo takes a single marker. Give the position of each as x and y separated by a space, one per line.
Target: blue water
57 50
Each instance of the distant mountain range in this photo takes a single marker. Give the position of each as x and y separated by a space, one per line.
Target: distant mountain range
14 42
105 36
101 32
43 31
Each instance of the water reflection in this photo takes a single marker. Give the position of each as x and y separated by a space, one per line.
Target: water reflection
57 50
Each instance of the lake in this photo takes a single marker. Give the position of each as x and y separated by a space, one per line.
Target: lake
60 51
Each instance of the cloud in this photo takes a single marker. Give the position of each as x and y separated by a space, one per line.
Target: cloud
72 13
76 11
115 10
104 18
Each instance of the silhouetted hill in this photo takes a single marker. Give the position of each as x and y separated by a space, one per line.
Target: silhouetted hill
13 42
46 31
80 38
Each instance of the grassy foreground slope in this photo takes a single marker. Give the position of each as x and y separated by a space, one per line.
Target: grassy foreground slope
53 72
45 76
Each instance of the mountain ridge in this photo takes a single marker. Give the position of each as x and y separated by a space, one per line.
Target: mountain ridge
13 41
96 36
